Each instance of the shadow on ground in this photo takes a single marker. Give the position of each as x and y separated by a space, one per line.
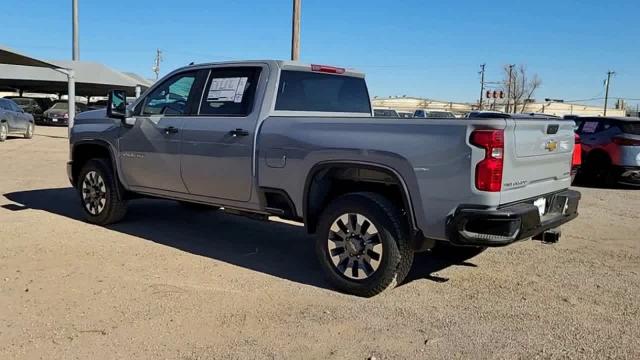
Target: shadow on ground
274 248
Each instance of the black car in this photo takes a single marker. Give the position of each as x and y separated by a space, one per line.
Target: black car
29 105
58 114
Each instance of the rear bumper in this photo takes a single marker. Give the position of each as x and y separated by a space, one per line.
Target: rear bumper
58 121
505 225
628 174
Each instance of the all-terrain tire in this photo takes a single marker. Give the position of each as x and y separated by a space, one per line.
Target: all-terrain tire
114 208
393 233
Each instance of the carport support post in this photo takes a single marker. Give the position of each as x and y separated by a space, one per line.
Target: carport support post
71 99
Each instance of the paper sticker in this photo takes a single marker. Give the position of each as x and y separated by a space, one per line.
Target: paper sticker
227 89
589 127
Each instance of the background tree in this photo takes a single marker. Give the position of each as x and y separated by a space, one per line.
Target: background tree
523 86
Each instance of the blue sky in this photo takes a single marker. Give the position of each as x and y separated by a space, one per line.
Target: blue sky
418 48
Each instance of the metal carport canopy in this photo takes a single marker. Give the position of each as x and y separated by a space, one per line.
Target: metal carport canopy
91 79
10 57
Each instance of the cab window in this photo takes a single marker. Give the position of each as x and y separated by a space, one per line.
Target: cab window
171 97
230 92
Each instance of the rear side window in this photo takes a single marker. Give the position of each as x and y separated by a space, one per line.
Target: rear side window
230 92
631 128
419 113
309 91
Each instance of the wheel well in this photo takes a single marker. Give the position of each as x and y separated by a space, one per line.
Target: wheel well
327 182
85 152
597 155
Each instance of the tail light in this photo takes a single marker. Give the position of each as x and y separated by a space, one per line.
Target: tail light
327 69
625 141
576 159
489 170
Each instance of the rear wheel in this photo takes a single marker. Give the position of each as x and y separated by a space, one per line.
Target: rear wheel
363 244
599 170
4 131
28 134
100 194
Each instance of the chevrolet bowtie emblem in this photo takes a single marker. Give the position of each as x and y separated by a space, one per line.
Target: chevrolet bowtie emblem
551 145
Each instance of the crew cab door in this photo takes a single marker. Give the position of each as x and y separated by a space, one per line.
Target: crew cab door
150 150
217 144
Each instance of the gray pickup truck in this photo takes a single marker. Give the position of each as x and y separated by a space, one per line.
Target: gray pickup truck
277 138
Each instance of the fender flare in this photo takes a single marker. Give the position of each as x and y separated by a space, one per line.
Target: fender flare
375 166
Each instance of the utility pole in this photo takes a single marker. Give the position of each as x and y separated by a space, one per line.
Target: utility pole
606 96
481 85
156 63
509 90
295 31
76 46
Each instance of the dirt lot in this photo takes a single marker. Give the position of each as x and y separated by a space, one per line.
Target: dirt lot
179 284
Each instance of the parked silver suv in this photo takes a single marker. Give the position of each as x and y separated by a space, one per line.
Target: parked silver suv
611 149
14 121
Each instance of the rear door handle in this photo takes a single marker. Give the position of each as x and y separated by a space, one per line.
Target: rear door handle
170 130
239 132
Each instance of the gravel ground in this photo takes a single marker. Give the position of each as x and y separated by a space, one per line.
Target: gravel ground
174 283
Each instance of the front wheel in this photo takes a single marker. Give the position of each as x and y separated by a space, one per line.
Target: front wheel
363 244
4 131
99 193
28 134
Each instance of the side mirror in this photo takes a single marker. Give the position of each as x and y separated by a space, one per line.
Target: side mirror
117 104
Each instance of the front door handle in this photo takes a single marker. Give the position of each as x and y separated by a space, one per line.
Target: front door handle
239 132
170 130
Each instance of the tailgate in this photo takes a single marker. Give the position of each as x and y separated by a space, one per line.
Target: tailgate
537 161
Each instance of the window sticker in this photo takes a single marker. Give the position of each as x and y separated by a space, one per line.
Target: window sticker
589 127
227 89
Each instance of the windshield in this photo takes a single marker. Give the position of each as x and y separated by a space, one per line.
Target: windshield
310 91
22 101
60 106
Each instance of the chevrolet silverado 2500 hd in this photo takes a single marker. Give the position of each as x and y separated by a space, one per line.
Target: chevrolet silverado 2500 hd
299 142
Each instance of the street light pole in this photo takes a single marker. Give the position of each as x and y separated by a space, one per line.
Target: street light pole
606 96
295 31
76 46
481 85
509 91
71 91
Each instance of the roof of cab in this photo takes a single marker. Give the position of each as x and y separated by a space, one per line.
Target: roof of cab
282 64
